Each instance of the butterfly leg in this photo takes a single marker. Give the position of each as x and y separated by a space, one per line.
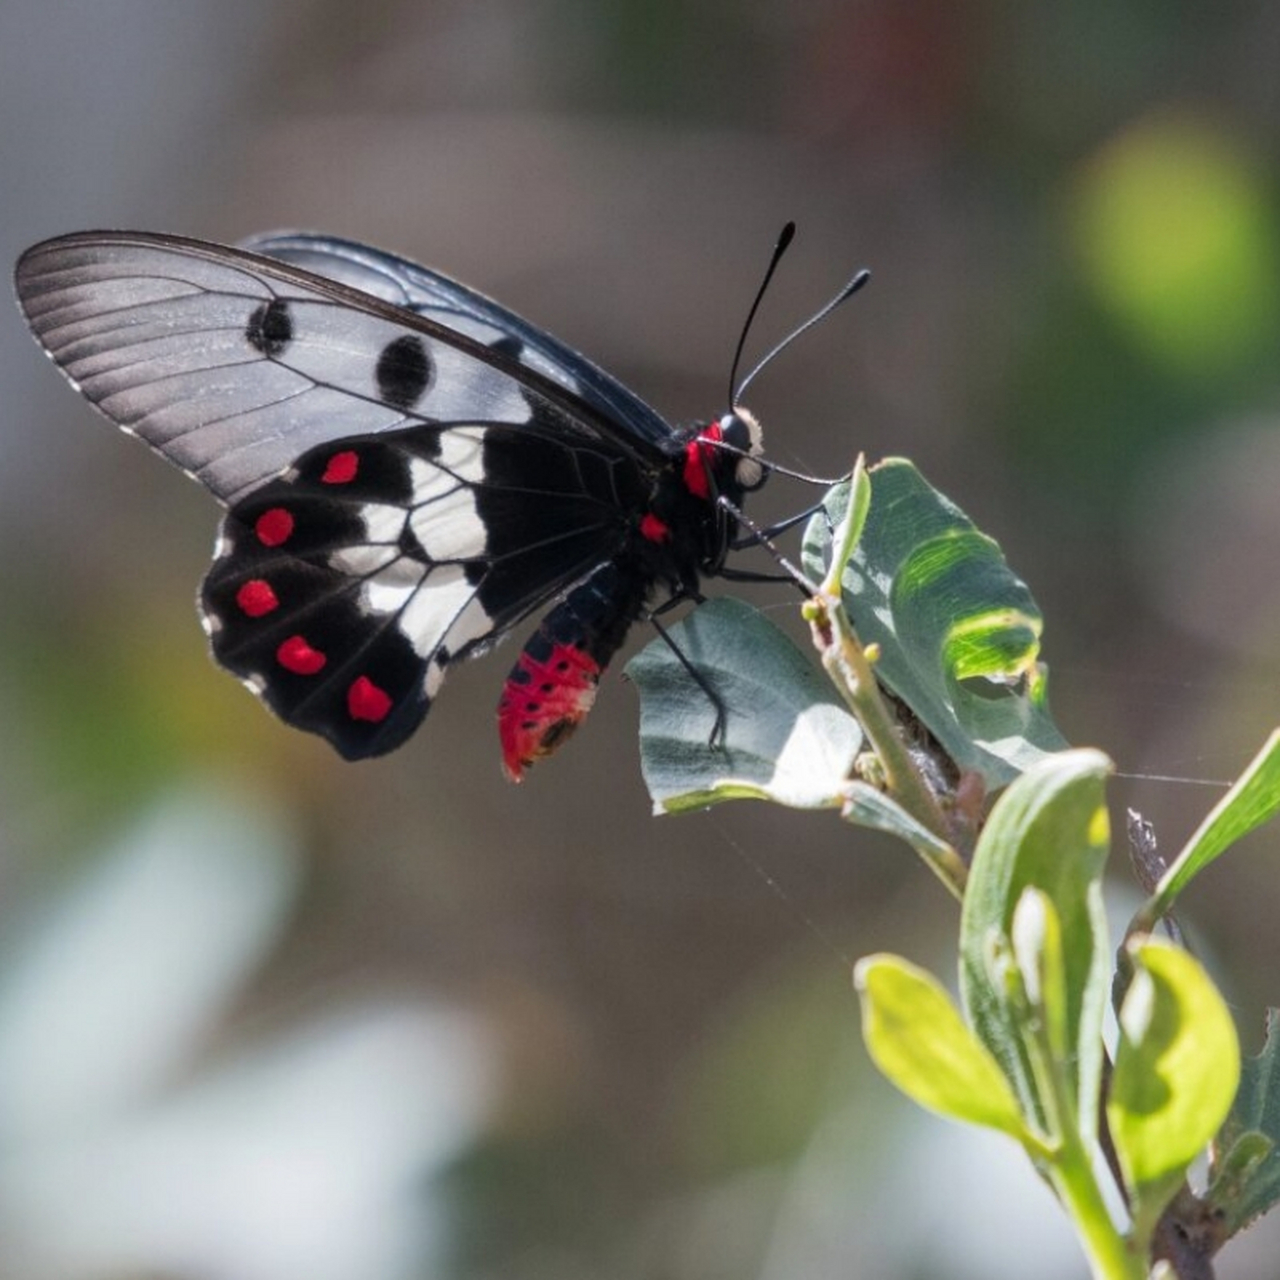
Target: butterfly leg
716 737
752 575
761 537
754 538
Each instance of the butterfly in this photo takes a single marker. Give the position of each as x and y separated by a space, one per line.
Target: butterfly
409 471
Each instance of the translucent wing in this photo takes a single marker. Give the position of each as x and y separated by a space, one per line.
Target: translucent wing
231 365
462 309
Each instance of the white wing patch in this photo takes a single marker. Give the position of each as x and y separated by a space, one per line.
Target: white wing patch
447 612
449 527
380 596
431 482
383 524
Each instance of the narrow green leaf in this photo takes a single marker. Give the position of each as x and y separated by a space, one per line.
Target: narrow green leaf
1253 799
1048 832
865 806
845 538
1245 1180
1238 1176
786 737
915 1035
1177 1067
959 632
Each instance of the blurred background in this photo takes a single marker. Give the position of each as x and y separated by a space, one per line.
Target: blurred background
266 1015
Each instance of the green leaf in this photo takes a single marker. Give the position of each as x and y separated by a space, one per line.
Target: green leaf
786 737
1252 800
917 1038
1245 1179
865 806
1049 832
959 633
1177 1066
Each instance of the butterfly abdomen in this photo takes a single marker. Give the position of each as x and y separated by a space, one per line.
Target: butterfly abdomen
553 683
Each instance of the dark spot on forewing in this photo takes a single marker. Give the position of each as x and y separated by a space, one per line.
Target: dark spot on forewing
270 328
508 345
404 371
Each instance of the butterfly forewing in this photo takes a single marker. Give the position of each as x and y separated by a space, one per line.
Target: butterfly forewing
231 365
465 311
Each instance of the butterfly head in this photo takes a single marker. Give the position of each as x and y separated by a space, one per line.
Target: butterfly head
724 457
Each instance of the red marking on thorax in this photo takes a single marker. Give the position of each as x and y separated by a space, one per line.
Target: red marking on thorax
537 713
365 701
697 461
341 468
256 598
273 527
296 655
654 529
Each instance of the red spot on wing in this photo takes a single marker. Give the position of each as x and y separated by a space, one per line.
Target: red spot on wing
256 598
365 701
342 468
296 655
654 529
698 454
542 703
273 526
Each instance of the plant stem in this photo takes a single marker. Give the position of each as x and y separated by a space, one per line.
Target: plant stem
1071 1168
846 662
1110 1256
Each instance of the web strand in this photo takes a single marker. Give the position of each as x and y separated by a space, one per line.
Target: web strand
771 883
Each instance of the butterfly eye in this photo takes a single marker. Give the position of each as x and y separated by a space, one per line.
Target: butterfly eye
741 432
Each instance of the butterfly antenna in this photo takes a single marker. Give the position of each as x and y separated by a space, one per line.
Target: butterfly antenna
851 287
785 237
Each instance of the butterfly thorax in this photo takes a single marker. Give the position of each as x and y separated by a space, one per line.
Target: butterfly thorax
690 522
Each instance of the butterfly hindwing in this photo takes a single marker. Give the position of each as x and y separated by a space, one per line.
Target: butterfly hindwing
309 598
342 590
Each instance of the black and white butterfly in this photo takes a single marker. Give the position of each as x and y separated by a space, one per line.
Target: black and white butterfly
409 470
